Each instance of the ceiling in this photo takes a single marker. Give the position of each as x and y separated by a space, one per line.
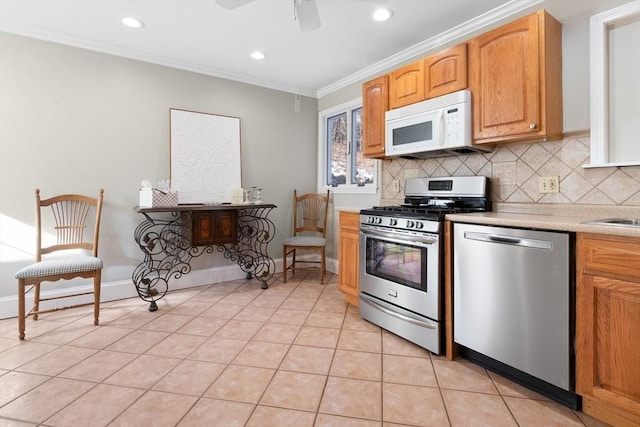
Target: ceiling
201 36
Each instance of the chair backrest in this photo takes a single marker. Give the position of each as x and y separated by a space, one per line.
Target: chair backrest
310 213
68 217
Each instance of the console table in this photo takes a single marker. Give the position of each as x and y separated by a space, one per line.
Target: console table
170 236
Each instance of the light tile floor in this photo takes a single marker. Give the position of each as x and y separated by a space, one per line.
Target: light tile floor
232 354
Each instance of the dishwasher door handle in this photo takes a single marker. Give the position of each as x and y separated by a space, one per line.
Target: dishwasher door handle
508 240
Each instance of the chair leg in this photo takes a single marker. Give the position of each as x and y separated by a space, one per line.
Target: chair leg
96 296
322 267
36 300
293 262
21 298
284 264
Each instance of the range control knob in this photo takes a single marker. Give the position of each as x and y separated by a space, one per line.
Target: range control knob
393 221
419 225
410 224
378 220
369 220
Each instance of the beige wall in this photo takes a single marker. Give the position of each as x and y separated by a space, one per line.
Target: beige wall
73 120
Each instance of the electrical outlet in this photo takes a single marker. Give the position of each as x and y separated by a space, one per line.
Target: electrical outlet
410 173
548 184
395 186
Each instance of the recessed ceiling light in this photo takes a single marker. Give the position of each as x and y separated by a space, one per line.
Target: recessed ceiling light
382 14
258 55
132 22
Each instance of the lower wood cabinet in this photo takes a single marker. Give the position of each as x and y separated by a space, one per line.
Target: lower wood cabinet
348 256
213 227
608 327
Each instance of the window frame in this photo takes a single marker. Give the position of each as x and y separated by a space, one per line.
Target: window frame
323 152
599 86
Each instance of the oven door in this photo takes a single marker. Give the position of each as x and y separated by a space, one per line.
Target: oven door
401 268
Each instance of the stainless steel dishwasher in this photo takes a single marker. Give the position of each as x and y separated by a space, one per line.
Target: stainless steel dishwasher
514 305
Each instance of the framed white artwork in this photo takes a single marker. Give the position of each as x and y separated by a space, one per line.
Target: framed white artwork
205 156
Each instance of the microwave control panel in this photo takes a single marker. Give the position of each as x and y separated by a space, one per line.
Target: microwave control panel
453 125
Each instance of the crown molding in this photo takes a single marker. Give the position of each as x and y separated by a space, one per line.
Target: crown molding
135 55
477 23
481 22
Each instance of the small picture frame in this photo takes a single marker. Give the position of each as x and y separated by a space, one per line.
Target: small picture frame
237 196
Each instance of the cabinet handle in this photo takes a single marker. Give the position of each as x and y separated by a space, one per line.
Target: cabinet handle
532 126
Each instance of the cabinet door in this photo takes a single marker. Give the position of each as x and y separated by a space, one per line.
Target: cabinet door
446 72
226 230
608 328
213 227
203 229
348 253
375 102
406 85
505 81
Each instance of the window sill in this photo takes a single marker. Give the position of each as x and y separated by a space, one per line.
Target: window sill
611 165
342 189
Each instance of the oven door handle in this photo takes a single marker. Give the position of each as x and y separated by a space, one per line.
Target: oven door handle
380 307
392 237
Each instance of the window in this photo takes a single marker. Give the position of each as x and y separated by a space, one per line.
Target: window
614 87
342 166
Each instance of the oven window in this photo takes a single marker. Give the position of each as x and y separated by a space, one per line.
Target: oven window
413 133
401 263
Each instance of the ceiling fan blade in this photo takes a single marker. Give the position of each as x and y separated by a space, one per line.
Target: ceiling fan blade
232 4
307 14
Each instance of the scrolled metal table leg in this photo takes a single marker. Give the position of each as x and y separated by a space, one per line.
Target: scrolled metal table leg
255 231
166 254
168 250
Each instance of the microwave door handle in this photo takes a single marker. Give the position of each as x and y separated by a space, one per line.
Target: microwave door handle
441 125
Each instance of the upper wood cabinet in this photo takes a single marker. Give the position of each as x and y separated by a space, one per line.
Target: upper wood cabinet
435 75
375 102
446 72
515 76
608 327
406 85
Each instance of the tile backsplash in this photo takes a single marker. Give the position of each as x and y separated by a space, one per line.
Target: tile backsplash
514 170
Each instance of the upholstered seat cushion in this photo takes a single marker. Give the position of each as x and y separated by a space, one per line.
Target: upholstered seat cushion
60 265
304 241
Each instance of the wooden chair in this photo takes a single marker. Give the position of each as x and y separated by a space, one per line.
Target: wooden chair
69 257
309 233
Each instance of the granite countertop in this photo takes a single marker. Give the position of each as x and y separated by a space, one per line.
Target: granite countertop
555 218
348 209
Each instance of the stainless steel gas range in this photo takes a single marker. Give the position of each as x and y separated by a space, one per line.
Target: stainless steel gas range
401 259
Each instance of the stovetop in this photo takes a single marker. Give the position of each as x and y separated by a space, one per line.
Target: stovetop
430 199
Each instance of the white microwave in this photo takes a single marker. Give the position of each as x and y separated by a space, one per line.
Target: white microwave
436 127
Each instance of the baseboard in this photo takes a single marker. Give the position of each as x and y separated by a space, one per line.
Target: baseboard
121 289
